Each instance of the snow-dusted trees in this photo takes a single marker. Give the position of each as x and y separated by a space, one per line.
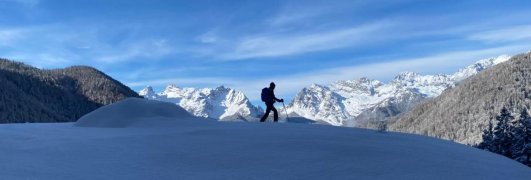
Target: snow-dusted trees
462 113
511 137
526 151
488 138
502 133
521 130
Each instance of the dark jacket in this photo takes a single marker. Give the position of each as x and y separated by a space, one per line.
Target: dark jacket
272 96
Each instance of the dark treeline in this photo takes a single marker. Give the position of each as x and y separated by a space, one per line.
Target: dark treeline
29 94
510 136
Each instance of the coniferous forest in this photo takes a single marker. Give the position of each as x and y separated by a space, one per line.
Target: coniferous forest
511 136
30 94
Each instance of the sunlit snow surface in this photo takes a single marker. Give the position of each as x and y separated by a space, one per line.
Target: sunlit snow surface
175 146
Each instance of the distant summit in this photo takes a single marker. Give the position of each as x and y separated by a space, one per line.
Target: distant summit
358 103
220 103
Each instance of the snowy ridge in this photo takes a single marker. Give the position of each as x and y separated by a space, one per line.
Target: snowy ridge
478 66
219 103
351 102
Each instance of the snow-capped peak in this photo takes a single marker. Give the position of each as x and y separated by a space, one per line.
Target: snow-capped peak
316 86
222 87
351 88
343 102
478 66
221 103
171 87
406 76
340 103
174 91
147 92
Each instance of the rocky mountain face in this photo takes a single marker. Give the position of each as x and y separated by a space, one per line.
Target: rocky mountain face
221 103
463 112
362 102
29 94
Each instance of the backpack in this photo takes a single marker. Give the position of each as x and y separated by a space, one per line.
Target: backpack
265 95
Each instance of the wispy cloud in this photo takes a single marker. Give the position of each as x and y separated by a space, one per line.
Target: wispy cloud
290 44
515 33
147 49
8 36
296 14
289 85
208 37
37 45
194 82
43 59
30 3
136 75
58 45
437 63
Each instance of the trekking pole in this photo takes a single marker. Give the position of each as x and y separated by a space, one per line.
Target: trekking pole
287 117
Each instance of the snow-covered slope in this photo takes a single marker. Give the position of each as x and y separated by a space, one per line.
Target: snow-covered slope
220 103
183 148
140 112
358 102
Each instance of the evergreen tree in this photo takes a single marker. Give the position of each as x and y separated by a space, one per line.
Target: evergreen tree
526 151
488 137
522 139
502 135
518 137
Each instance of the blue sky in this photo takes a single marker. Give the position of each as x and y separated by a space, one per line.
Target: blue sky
247 44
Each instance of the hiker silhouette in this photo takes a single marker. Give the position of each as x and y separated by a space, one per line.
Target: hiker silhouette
268 96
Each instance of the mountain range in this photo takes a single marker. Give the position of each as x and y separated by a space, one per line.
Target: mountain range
353 103
358 103
220 103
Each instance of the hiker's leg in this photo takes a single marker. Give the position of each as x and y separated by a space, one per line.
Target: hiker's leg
268 109
275 113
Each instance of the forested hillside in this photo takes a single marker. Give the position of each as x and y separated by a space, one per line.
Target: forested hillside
29 94
462 113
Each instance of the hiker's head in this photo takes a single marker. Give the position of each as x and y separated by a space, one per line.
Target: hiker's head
272 85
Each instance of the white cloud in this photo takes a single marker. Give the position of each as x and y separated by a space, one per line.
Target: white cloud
202 82
208 37
289 85
152 48
156 72
44 60
293 15
291 44
9 36
29 3
57 45
504 34
437 63
295 12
